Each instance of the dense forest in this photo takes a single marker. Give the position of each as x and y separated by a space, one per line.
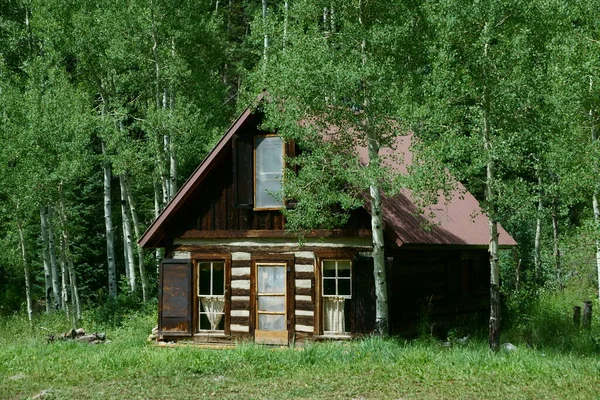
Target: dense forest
107 107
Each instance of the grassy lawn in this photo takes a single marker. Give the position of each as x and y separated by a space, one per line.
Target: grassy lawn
130 368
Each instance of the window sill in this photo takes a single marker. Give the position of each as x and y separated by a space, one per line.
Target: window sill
334 336
212 334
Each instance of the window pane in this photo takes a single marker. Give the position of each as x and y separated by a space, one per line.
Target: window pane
271 303
329 269
270 322
268 171
218 287
271 279
344 269
329 287
204 278
344 287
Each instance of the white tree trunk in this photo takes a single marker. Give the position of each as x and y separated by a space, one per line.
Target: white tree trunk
66 281
597 220
556 241
165 176
56 288
494 327
595 205
537 249
172 170
266 38
68 257
137 231
126 213
26 272
110 242
46 258
379 272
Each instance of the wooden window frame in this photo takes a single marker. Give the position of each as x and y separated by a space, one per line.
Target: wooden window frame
338 254
283 147
225 258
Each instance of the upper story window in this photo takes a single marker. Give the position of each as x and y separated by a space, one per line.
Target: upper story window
268 171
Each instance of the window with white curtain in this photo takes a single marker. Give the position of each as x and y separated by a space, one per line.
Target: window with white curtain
336 294
211 295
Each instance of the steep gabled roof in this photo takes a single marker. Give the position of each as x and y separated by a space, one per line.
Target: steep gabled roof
155 233
459 221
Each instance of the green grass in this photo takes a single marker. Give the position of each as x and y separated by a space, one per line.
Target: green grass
129 368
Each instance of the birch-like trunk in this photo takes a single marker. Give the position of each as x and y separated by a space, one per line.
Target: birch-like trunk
266 37
53 265
597 221
537 247
65 281
556 241
172 170
126 216
110 241
137 231
494 327
163 158
46 258
68 257
595 205
26 272
379 270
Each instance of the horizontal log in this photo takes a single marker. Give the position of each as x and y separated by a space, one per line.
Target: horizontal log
304 275
212 248
302 337
240 321
316 233
241 264
305 261
305 320
305 305
240 277
240 304
240 292
304 291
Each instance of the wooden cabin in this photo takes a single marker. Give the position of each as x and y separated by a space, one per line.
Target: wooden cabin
232 272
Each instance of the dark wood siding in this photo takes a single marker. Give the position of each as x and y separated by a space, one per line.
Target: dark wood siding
214 205
175 297
363 302
437 290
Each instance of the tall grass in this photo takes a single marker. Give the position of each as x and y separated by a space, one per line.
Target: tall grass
543 366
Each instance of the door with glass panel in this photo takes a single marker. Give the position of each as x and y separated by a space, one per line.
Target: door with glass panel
271 304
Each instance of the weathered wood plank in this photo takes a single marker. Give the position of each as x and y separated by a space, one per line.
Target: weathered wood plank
304 275
305 305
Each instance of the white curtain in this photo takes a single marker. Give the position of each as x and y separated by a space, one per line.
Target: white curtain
213 306
335 320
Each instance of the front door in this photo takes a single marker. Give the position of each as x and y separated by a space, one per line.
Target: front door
271 307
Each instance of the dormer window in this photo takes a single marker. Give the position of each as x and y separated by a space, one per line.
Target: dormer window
268 172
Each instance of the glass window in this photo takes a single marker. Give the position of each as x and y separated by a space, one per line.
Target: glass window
268 171
211 295
336 294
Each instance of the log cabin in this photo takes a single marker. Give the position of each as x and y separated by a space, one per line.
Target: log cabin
233 273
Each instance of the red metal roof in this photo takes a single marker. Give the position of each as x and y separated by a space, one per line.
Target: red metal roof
459 221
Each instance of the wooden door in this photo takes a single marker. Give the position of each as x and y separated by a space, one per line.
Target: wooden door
271 303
